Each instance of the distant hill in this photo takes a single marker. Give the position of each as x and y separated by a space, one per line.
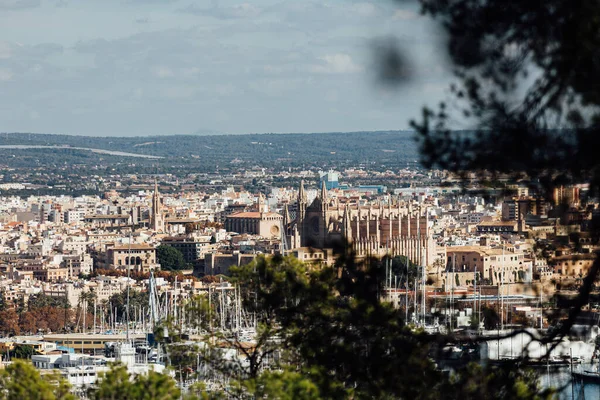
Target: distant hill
389 148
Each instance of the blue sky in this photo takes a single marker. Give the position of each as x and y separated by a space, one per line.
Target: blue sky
146 67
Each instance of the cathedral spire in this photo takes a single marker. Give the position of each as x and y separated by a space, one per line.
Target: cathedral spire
346 226
301 193
323 192
286 216
301 214
323 199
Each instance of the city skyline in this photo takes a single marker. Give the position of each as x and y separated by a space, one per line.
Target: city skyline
143 67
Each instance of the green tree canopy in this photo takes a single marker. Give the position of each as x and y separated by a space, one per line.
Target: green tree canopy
523 74
170 258
118 384
20 380
523 88
41 300
119 301
341 341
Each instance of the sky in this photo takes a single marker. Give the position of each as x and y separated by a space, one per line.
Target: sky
158 67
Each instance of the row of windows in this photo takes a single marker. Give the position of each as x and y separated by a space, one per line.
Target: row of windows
64 342
131 261
464 258
565 263
315 255
132 251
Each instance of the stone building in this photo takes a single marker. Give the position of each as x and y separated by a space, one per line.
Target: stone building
77 264
374 229
572 265
492 265
138 257
191 248
219 264
265 224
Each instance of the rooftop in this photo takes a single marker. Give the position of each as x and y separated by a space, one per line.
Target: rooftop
134 247
254 214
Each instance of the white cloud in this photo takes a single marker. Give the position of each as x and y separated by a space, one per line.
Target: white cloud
275 87
225 90
5 74
5 50
18 4
137 93
163 72
338 63
435 88
259 61
191 72
179 92
401 14
236 11
365 9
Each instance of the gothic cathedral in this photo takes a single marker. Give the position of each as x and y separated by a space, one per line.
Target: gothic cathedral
371 229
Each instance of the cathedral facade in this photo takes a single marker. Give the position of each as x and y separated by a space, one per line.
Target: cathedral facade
373 229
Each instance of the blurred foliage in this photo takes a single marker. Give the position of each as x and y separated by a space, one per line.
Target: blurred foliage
20 380
344 342
118 384
525 74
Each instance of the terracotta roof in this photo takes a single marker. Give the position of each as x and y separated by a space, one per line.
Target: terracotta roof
182 220
134 247
107 216
497 223
254 214
481 249
574 257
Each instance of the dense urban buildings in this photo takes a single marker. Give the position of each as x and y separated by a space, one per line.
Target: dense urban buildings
76 252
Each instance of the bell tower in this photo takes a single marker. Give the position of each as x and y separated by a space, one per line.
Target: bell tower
157 221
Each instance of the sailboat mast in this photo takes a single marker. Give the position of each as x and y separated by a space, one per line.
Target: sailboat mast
475 293
502 293
128 274
406 302
95 314
423 298
452 291
541 308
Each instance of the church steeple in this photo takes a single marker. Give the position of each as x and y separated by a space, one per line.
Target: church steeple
346 225
262 206
323 198
286 216
323 192
302 194
301 212
157 222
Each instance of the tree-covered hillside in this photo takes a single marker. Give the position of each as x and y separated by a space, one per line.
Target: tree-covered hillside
394 148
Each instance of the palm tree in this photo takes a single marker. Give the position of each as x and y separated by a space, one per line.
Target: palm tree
85 298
